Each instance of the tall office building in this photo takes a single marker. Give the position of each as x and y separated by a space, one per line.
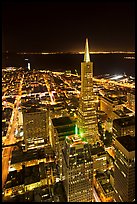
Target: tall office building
77 170
124 169
131 100
124 126
61 128
87 118
35 127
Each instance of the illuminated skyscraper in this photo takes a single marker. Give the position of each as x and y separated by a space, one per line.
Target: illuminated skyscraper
35 126
77 170
61 128
28 65
87 118
124 169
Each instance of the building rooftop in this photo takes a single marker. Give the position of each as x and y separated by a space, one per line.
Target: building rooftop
98 151
62 121
107 187
19 156
14 179
67 130
120 113
125 121
58 105
103 179
32 109
128 142
31 174
80 152
42 170
126 110
40 194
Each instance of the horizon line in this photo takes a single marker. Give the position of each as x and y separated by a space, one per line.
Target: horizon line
78 52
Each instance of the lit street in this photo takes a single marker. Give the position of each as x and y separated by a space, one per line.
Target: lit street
110 150
68 102
7 151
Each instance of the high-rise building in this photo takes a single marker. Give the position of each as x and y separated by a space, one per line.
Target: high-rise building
35 127
124 169
124 126
28 65
103 186
87 118
109 104
62 127
131 100
77 170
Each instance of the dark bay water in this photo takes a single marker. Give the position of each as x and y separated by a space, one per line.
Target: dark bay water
103 63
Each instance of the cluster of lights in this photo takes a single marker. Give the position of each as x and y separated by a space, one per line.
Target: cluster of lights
79 52
117 77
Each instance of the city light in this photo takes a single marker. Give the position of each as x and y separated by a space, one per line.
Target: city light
76 129
64 131
117 77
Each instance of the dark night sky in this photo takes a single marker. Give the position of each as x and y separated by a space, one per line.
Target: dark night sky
53 26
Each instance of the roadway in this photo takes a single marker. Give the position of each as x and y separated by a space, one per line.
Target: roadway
111 151
7 104
126 85
96 197
7 151
50 92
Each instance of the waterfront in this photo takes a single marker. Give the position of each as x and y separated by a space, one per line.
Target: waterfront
103 63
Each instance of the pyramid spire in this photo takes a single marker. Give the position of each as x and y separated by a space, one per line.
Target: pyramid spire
86 55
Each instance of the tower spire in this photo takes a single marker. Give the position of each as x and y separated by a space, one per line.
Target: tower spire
86 55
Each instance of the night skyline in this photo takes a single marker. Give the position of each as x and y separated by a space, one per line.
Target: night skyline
53 27
66 137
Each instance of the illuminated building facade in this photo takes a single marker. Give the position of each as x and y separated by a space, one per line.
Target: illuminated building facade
131 100
124 169
35 127
77 170
62 127
28 65
20 118
28 185
109 105
87 118
124 126
100 158
103 186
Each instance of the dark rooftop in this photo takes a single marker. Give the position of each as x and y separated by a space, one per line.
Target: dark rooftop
62 121
53 106
32 109
63 130
20 156
32 174
126 110
40 194
128 142
98 151
120 113
14 179
123 113
125 121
